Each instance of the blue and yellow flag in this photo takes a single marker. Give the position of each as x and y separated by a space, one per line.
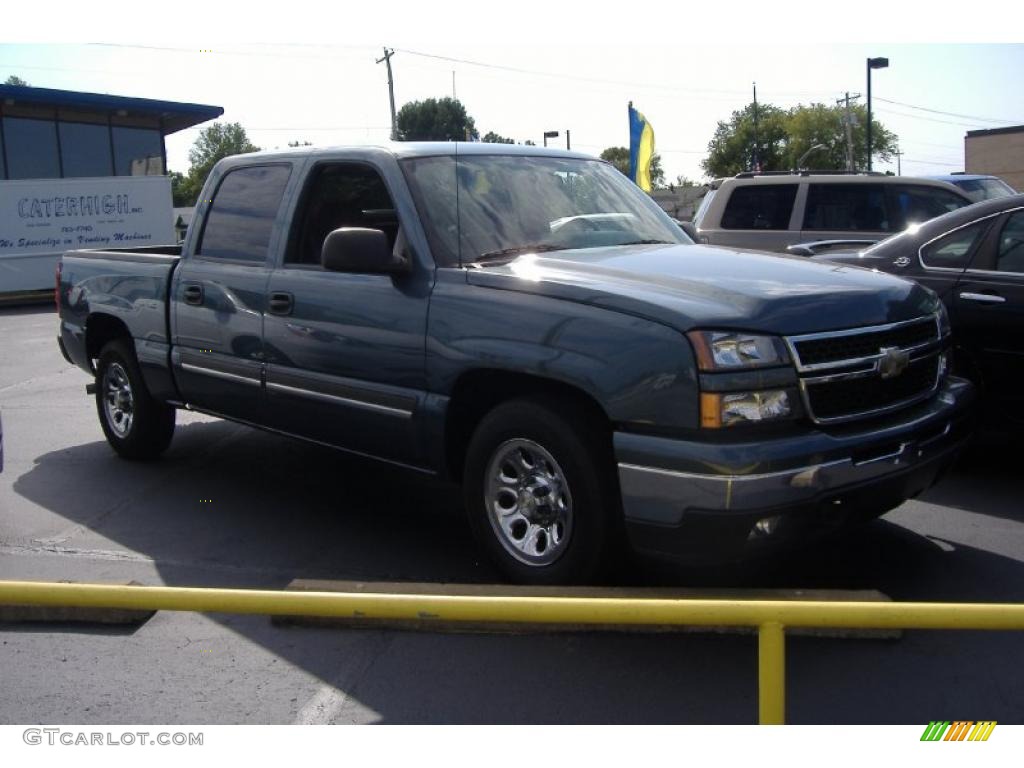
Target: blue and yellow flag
641 149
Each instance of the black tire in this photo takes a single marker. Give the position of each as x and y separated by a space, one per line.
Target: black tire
581 450
146 426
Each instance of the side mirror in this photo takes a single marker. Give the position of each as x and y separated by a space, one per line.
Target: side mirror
355 249
690 230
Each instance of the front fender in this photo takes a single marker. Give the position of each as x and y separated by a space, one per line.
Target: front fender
640 372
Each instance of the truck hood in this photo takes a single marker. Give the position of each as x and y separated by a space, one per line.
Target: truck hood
696 286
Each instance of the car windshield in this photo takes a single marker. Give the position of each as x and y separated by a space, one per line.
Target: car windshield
492 208
984 189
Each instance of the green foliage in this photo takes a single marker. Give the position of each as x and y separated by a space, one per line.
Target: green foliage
784 136
435 120
619 157
730 150
493 138
215 142
300 143
15 80
180 192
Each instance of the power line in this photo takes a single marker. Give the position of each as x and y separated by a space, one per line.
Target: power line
928 119
949 114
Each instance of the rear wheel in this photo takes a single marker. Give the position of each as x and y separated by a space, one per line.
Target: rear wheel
135 424
540 492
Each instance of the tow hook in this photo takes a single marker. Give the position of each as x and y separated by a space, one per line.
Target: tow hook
90 388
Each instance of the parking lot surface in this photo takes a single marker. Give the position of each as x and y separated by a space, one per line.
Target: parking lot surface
231 506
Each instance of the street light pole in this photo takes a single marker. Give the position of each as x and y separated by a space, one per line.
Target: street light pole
876 63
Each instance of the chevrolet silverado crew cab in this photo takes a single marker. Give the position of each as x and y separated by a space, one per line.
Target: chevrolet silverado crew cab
532 325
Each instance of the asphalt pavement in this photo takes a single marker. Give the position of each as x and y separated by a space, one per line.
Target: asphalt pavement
232 506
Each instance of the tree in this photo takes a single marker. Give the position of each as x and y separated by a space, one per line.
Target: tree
493 138
731 149
822 124
300 143
619 157
435 120
215 142
180 192
784 136
15 80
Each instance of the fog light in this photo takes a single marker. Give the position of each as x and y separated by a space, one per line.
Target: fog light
726 410
766 526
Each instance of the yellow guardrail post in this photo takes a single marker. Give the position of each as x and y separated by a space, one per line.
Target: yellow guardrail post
771 673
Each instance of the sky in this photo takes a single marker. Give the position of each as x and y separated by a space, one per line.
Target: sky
529 68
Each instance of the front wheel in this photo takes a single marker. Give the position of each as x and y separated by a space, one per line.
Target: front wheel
136 425
540 492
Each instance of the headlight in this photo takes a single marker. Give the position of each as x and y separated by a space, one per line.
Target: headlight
727 351
943 315
719 409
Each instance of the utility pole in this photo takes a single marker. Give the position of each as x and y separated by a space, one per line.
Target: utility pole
849 120
756 158
388 53
899 168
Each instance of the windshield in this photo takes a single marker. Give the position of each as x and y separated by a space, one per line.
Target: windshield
984 189
481 208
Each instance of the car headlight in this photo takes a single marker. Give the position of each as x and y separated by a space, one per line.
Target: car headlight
721 409
943 316
730 351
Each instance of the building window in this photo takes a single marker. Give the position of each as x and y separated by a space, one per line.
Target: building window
138 152
85 149
31 148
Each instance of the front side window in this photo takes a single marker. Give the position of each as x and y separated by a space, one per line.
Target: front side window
760 206
241 218
954 250
31 148
1010 257
483 207
342 195
85 149
846 208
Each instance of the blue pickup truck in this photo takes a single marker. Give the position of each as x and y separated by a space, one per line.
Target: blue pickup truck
527 323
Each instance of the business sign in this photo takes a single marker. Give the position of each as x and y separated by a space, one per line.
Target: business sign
42 218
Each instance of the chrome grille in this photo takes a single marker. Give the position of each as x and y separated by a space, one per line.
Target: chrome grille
863 372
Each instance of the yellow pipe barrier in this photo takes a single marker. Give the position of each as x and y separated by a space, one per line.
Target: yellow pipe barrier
771 673
771 617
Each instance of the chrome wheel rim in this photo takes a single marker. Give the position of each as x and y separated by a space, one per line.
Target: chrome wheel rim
118 401
529 504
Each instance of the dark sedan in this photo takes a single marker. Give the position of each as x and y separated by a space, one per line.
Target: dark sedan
974 259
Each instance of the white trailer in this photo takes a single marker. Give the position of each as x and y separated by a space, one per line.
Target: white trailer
42 218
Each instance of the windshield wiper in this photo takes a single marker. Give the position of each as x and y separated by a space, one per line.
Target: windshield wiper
648 242
505 253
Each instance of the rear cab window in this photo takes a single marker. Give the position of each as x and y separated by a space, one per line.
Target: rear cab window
759 206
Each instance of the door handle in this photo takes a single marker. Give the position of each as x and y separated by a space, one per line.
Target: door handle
193 294
983 298
280 303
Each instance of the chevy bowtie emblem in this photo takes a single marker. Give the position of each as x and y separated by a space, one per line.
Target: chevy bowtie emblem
893 362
